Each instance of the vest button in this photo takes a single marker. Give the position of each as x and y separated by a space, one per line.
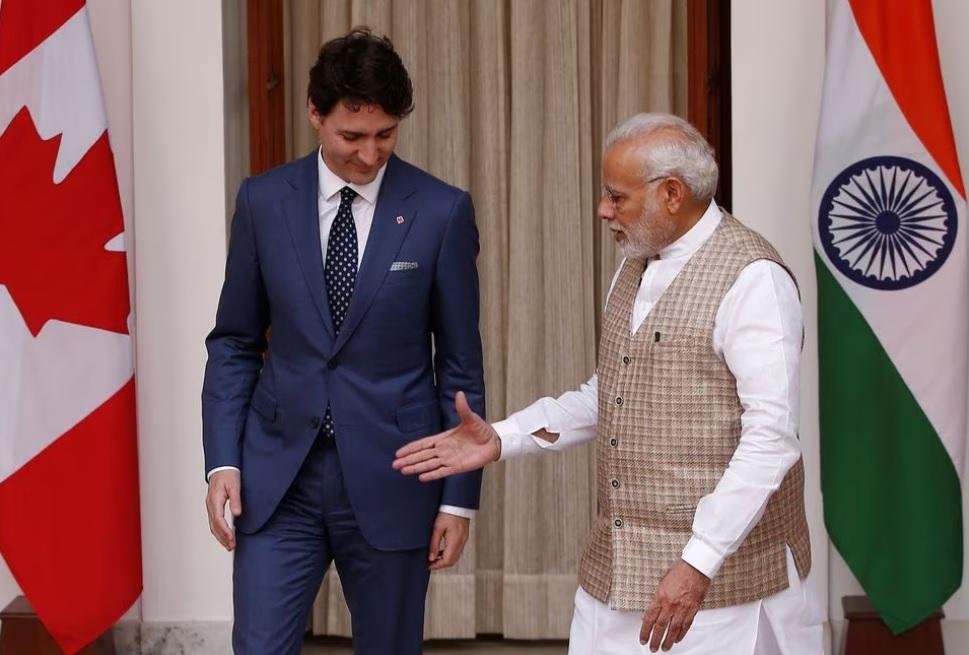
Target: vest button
617 523
625 360
614 442
619 400
615 484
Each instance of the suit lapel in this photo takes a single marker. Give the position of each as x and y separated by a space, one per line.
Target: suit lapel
387 233
301 211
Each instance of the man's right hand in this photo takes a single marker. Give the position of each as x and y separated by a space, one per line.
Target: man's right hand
471 445
224 486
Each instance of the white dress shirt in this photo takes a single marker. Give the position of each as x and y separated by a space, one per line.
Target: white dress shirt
363 206
757 331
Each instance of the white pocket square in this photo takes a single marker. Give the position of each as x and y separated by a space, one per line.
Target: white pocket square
403 266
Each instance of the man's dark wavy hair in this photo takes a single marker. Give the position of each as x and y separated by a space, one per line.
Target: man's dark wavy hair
360 69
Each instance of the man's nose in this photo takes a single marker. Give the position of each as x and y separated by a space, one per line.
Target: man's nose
368 154
605 210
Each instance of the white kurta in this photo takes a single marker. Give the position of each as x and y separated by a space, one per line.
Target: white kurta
783 623
758 331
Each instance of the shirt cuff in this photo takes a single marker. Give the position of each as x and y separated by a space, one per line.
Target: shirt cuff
701 556
516 440
220 468
511 438
508 426
463 512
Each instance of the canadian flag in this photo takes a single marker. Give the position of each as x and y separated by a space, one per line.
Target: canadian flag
69 509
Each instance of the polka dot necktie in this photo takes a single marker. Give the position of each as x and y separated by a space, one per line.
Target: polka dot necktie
340 271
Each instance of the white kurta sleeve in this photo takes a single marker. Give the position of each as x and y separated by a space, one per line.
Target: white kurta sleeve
572 416
758 330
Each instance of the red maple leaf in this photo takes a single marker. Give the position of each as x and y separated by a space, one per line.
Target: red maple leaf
52 236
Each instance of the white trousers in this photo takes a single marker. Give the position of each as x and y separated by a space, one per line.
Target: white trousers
787 623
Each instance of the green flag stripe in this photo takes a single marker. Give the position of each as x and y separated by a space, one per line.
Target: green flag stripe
892 499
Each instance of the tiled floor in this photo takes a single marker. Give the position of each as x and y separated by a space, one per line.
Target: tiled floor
476 647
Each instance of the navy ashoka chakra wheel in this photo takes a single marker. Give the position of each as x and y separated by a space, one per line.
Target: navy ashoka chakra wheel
887 222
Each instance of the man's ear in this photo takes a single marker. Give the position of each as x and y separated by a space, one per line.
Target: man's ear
674 194
313 114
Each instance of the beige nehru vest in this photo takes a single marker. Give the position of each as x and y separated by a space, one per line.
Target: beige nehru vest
669 422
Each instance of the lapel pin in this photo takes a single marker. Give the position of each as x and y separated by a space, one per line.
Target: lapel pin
400 220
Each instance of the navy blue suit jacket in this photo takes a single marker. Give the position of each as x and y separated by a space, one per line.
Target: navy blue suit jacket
409 342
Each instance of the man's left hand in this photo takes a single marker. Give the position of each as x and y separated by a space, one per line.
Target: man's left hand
676 602
447 540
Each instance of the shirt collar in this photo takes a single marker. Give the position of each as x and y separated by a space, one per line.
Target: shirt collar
690 242
331 183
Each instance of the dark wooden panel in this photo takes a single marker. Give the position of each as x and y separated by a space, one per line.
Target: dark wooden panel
867 634
267 102
21 632
708 94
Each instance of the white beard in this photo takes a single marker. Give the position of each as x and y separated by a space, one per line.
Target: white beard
645 238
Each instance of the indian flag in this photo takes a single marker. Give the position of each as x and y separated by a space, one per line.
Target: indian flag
893 308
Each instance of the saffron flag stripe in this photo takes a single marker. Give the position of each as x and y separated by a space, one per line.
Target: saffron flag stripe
912 73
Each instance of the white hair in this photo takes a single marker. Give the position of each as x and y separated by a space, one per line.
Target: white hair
680 151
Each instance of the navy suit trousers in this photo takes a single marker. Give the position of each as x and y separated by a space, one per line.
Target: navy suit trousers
278 571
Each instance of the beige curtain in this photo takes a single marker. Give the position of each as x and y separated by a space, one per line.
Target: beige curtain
235 89
513 99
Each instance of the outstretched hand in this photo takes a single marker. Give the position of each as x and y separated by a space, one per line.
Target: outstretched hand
470 445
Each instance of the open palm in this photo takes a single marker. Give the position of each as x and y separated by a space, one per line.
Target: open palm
470 445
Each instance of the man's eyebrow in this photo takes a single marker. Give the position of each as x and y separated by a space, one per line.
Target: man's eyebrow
354 133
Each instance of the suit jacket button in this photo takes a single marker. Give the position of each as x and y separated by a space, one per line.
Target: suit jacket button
315 422
618 523
619 400
614 442
331 364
